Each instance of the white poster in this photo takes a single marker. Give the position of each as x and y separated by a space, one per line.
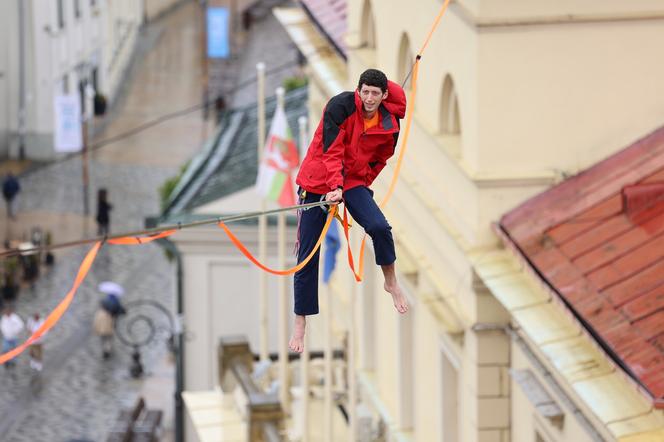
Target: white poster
67 134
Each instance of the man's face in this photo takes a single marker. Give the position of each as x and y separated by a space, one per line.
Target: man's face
371 97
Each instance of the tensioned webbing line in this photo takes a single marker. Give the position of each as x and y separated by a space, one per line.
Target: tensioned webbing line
136 235
149 235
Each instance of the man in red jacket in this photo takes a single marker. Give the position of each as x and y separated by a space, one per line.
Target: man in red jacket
353 141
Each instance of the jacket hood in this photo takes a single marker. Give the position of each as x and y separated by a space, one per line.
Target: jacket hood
395 103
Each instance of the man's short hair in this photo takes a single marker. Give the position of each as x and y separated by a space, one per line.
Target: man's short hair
373 77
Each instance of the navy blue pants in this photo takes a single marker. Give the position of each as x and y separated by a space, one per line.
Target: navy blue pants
365 212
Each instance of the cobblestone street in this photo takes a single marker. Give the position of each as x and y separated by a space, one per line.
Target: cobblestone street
78 395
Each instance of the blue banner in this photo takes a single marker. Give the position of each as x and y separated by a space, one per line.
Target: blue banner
218 33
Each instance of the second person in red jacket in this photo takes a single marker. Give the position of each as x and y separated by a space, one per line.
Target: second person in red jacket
354 139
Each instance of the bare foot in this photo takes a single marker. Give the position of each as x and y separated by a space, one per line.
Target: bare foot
296 342
398 297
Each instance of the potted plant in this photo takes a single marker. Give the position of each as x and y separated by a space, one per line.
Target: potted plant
10 286
100 103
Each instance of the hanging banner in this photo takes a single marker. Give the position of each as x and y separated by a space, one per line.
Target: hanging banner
218 33
67 131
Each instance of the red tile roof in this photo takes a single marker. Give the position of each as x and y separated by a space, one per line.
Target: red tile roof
330 17
598 240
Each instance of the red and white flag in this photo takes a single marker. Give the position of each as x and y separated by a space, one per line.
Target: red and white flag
280 159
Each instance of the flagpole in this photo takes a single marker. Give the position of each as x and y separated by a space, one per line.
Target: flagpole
284 396
262 221
327 324
304 360
326 294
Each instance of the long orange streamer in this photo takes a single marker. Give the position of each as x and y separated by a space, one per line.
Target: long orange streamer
330 216
137 240
60 309
56 314
434 26
351 262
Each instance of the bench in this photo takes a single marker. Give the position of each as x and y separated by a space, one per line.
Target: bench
136 424
147 428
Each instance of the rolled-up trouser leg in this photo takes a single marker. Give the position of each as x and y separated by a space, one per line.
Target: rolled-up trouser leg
366 212
310 227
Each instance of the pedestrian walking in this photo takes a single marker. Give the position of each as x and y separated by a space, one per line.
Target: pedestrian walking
107 313
103 212
10 188
219 108
11 326
36 350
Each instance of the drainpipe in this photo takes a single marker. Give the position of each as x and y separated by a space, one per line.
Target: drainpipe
21 80
179 353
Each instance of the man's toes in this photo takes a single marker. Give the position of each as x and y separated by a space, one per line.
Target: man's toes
296 346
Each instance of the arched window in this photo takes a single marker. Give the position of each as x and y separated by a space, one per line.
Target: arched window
368 30
450 123
406 59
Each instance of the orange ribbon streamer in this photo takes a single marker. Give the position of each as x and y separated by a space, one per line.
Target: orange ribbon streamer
351 263
330 216
56 314
137 240
434 26
60 309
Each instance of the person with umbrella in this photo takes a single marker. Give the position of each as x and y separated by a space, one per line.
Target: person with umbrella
109 309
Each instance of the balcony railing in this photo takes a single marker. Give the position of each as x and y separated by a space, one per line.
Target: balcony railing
265 417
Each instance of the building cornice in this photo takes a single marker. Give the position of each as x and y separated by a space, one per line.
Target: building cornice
488 24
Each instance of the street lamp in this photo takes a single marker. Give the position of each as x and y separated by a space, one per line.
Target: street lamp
140 327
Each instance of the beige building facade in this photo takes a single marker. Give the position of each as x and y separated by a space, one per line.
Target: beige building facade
512 98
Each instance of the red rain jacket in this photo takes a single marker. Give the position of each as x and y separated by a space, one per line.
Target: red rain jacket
341 153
